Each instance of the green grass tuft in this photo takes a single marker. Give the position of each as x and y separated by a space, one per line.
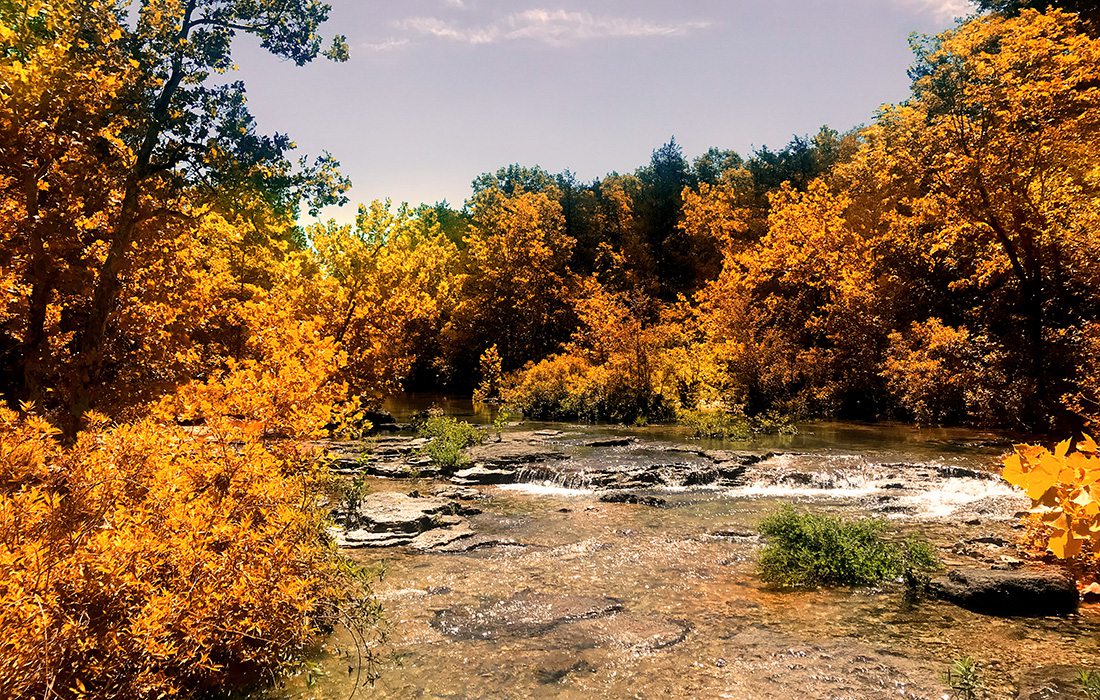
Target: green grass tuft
805 550
449 437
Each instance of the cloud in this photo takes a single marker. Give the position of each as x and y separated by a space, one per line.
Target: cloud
944 10
386 45
552 27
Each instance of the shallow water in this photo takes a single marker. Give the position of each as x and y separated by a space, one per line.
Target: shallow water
583 599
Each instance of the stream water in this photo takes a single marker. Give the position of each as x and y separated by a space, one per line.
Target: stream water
577 598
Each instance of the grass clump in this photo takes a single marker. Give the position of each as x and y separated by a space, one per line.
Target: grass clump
448 437
805 550
1090 684
734 425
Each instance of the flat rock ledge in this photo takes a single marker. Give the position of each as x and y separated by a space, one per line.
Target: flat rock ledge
551 455
1019 593
389 519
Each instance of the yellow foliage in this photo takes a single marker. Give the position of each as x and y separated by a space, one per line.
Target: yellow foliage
1064 486
517 286
389 281
149 560
943 374
795 314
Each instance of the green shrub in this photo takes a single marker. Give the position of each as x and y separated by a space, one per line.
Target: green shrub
733 425
448 438
806 550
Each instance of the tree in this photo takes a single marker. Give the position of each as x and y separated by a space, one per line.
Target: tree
389 283
995 154
152 138
1087 9
799 310
517 283
658 211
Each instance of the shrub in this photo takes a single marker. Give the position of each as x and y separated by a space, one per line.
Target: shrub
488 390
569 387
150 560
448 438
727 425
807 550
1090 684
1066 501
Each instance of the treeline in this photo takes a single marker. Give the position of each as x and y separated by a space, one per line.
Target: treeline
939 265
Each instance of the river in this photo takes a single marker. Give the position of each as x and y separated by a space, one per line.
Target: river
573 597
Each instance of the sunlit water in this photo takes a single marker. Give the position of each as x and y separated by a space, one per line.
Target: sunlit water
584 599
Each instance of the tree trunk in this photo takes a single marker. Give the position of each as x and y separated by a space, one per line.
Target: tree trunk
89 344
34 340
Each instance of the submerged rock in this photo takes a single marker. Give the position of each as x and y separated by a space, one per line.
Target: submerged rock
638 499
633 632
608 442
525 614
1016 593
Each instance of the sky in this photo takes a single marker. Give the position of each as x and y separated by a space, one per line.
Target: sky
438 91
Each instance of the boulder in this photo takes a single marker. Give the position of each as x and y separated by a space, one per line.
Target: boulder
627 497
1016 593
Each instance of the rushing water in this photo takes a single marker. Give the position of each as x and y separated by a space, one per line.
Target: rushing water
572 597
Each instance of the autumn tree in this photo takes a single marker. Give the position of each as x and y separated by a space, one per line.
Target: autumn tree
390 282
517 283
146 138
987 180
1087 9
800 307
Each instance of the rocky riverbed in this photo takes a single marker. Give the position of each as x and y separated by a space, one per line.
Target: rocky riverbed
566 561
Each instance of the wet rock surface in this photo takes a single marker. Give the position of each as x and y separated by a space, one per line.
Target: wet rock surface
527 613
389 518
514 449
553 456
637 499
1015 593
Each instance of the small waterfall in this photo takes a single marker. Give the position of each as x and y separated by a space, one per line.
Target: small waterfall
568 479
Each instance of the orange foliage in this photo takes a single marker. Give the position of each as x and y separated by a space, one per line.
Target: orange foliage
941 374
148 560
1064 486
517 286
795 314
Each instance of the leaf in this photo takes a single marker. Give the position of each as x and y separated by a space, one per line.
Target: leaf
1063 544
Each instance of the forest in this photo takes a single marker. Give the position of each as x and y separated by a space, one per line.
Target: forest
175 334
